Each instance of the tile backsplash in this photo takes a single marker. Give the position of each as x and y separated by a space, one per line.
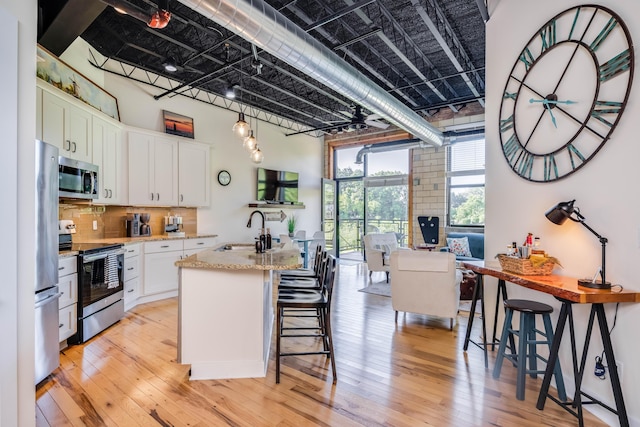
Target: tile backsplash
111 219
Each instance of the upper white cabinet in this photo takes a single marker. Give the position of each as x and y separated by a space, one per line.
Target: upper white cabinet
67 127
153 170
107 154
194 172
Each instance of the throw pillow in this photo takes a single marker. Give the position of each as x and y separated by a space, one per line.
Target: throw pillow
459 246
384 248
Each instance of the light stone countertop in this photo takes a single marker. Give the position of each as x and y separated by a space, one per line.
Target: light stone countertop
243 259
142 239
67 254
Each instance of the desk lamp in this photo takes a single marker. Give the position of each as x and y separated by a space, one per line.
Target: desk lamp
558 215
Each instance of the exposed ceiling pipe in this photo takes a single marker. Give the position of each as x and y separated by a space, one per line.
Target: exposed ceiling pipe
157 19
382 148
264 26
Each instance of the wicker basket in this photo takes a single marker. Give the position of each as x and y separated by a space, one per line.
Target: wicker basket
524 267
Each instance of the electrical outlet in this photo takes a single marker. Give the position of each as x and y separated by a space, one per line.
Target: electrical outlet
95 224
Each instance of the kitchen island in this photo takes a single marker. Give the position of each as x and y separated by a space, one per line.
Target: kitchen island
225 311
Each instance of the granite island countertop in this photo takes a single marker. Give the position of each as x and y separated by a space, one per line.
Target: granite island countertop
142 239
243 259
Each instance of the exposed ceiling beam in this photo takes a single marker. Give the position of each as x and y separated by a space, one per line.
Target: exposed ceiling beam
338 14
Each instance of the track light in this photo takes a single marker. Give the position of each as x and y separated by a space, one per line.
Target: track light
230 91
170 65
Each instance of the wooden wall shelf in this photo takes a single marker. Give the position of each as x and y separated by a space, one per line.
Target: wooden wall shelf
275 206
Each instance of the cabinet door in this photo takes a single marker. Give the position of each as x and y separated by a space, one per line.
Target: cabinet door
194 171
68 321
131 292
107 155
79 130
67 127
68 286
160 272
165 171
140 173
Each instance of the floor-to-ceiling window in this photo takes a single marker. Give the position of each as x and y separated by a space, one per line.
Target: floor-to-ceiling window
372 193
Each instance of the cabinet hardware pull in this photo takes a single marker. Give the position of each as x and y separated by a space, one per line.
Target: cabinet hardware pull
131 250
130 290
110 194
201 243
182 197
60 325
106 193
60 268
130 268
151 196
69 145
74 147
158 198
164 246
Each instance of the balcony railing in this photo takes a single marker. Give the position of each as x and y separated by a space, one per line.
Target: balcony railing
352 230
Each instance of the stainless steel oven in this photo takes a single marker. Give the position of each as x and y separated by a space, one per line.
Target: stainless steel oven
100 289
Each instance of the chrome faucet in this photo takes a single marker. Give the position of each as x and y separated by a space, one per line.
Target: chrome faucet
251 216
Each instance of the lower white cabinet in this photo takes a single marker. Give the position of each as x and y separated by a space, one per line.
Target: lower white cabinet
68 302
160 272
131 274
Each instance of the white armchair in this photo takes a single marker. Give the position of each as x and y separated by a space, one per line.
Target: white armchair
425 282
377 248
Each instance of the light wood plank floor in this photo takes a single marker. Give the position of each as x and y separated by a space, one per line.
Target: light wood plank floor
412 373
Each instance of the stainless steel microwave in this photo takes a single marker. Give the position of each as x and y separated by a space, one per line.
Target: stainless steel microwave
77 179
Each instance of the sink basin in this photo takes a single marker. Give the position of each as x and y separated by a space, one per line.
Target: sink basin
237 247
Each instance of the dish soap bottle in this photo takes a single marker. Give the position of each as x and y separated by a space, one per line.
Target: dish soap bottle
268 239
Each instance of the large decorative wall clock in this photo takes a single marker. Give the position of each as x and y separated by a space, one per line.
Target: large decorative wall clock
566 93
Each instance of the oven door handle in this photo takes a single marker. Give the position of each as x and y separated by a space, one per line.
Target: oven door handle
94 257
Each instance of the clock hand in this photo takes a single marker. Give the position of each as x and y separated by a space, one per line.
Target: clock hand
553 119
550 101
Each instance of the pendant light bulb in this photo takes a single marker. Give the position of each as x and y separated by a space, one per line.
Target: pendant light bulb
250 143
257 156
241 128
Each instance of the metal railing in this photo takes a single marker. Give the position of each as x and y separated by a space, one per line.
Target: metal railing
352 230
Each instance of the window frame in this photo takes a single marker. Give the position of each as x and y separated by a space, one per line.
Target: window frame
450 142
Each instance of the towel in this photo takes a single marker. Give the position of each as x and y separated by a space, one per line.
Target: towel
423 261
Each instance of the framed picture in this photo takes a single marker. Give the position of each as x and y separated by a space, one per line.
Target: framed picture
57 73
177 124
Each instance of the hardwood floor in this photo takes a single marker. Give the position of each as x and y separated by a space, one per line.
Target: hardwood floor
412 373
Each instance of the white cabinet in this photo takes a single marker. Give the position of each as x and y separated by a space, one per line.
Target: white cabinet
153 170
107 154
131 274
160 272
67 127
193 246
68 302
194 174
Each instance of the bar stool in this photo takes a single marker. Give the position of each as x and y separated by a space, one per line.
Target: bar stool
527 341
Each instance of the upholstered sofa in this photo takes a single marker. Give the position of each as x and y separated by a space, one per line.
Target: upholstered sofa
475 243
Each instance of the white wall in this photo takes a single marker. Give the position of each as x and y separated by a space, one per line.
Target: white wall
17 169
228 214
605 190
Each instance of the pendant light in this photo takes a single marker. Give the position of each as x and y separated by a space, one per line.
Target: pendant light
241 128
257 156
250 143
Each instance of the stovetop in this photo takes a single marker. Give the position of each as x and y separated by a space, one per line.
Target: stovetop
86 248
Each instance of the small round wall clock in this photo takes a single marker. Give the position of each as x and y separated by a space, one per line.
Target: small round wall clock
566 93
224 177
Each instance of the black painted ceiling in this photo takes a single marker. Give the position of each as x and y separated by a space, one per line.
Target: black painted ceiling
388 41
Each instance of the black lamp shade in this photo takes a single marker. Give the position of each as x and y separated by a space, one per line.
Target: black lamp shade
560 212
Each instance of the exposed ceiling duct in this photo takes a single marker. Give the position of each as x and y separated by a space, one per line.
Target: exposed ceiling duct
262 25
384 147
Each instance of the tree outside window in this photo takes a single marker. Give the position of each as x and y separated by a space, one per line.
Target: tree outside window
465 178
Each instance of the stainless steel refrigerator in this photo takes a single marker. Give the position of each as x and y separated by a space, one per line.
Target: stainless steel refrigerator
47 349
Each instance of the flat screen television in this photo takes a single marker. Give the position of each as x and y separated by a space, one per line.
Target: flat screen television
277 186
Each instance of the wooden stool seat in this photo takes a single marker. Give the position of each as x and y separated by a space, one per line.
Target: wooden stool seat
527 342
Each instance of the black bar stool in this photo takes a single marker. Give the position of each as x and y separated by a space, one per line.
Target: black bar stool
527 342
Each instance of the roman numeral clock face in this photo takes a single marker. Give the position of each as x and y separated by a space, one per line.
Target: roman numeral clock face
566 93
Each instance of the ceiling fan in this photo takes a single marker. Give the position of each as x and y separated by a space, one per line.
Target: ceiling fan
358 121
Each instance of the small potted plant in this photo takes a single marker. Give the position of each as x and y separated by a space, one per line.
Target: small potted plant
291 225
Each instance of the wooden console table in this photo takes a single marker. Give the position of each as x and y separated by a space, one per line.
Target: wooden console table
567 291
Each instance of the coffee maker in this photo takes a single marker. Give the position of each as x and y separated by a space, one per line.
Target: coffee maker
133 225
145 228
